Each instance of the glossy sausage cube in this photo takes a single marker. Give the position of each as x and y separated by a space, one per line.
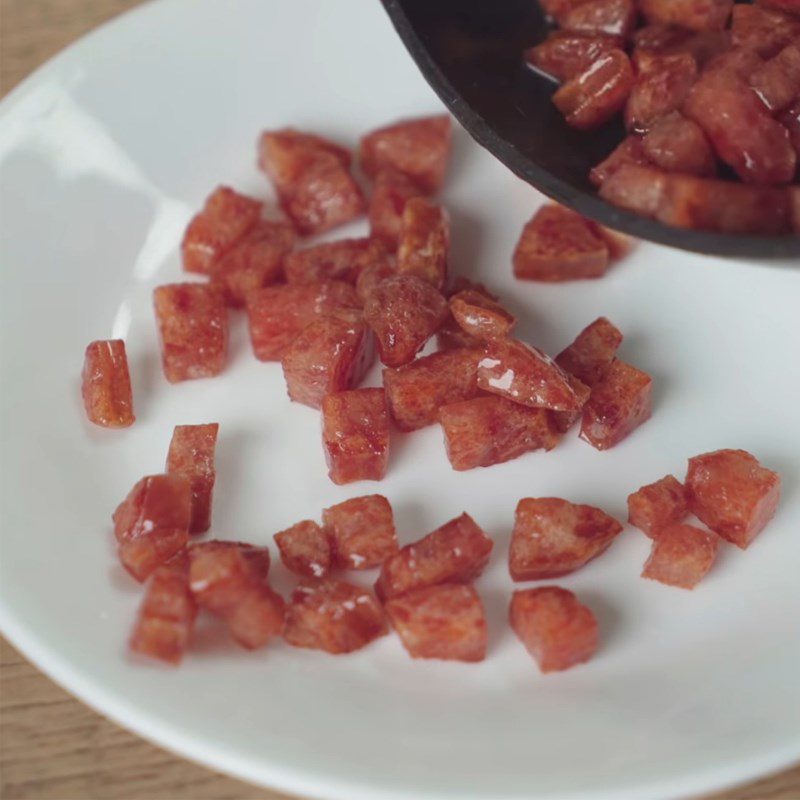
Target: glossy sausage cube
361 532
636 188
371 276
424 242
563 55
191 454
590 355
764 30
479 316
193 327
657 505
355 435
457 552
558 9
333 616
696 15
732 493
777 82
562 421
651 42
258 617
676 144
556 629
445 622
390 193
106 385
305 549
630 151
681 556
601 17
342 260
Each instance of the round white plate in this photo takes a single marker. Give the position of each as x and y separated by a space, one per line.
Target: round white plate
104 155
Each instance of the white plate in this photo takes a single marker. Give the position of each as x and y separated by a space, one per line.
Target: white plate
105 153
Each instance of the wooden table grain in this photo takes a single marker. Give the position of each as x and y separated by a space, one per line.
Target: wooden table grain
52 747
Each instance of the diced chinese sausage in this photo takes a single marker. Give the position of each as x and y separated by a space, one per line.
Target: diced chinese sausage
193 327
361 531
355 435
654 41
151 524
559 245
563 420
404 311
445 622
636 188
657 505
590 355
596 95
106 385
553 537
333 616
490 430
342 260
681 555
224 221
696 15
676 144
762 29
777 82
479 316
451 336
556 9
418 148
257 617
416 391
604 17
282 153
390 193
619 403
305 549
371 276
191 454
455 553
732 493
738 62
424 242
630 151
556 629
563 55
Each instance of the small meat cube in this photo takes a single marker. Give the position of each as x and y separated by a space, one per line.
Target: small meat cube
455 553
524 374
418 148
563 420
151 524
601 17
696 15
676 144
738 62
106 385
193 327
479 316
256 261
445 622
733 494
305 549
191 454
681 556
630 151
277 314
777 82
657 505
558 9
659 91
361 531
404 311
167 613
559 245
491 430
636 188
761 29
342 260
553 537
424 242
333 616
556 629
654 41
590 355
596 95
619 403
355 435
330 355
740 128
451 336
225 220
371 276
390 193
564 55
257 617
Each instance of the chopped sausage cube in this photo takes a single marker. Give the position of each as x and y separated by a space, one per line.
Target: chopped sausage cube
404 311
601 17
424 242
592 98
681 555
563 55
371 276
636 188
451 336
559 245
361 531
491 430
590 355
390 193
151 524
764 30
777 82
418 148
676 144
305 549
558 9
556 629
553 537
257 617
193 327
106 385
191 454
696 15
563 420
457 552
355 435
333 616
225 220
445 622
342 260
526 375
277 314
654 41
479 316
732 493
630 151
657 505
167 613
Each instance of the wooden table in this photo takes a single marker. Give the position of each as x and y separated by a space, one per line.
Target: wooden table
52 746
